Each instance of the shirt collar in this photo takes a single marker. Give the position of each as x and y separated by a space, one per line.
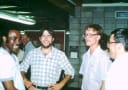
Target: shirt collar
95 51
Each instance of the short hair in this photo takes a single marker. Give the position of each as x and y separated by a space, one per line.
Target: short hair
28 35
121 36
96 28
104 41
50 30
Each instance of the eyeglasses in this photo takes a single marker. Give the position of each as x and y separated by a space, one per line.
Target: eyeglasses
90 35
112 42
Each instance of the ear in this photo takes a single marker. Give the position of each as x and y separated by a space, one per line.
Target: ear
4 41
39 38
120 46
53 39
4 38
99 37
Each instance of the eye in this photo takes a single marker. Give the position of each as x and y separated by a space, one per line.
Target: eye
13 38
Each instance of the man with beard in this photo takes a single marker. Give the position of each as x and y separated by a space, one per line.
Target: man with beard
46 63
10 76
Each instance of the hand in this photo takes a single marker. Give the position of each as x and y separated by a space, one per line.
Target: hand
32 88
28 83
56 86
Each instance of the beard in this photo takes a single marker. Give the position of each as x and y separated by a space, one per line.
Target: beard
47 46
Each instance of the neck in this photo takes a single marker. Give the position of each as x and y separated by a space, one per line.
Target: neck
120 53
92 48
46 51
7 49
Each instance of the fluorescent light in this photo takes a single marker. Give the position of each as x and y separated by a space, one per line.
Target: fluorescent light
105 5
17 18
72 2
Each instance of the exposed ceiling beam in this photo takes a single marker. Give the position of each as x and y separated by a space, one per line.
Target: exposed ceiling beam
78 2
65 5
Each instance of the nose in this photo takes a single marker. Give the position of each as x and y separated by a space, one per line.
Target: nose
18 41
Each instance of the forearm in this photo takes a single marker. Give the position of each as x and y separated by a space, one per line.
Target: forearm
102 86
24 75
9 85
65 80
27 82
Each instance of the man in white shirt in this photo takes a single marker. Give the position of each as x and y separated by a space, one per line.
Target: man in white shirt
117 76
10 76
95 61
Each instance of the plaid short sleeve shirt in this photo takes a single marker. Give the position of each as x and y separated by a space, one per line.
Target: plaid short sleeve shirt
45 70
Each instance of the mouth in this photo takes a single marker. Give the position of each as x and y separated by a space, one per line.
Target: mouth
16 46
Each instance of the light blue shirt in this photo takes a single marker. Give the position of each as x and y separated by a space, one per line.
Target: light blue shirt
28 47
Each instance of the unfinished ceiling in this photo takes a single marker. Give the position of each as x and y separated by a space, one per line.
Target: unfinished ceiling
54 13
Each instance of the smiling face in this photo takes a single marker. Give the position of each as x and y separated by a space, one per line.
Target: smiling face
13 40
46 39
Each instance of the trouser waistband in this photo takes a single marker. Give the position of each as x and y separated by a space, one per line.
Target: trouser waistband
40 87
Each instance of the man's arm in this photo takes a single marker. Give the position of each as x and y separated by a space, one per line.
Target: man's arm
9 85
27 82
65 80
102 86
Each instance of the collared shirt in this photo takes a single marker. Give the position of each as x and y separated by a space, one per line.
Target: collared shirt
9 70
117 77
45 70
94 68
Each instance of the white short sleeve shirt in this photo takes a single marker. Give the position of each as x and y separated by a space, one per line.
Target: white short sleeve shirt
117 76
9 70
94 68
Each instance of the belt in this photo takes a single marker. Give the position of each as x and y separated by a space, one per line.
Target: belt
40 87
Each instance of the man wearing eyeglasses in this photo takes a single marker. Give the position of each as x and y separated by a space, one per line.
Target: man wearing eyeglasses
117 76
95 61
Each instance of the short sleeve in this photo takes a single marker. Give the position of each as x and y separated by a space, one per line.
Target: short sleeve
6 67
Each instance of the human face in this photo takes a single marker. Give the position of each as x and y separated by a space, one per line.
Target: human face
25 39
13 40
46 39
91 37
113 48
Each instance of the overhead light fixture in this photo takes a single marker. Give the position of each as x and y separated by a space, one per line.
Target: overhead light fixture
6 6
24 19
72 2
121 4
